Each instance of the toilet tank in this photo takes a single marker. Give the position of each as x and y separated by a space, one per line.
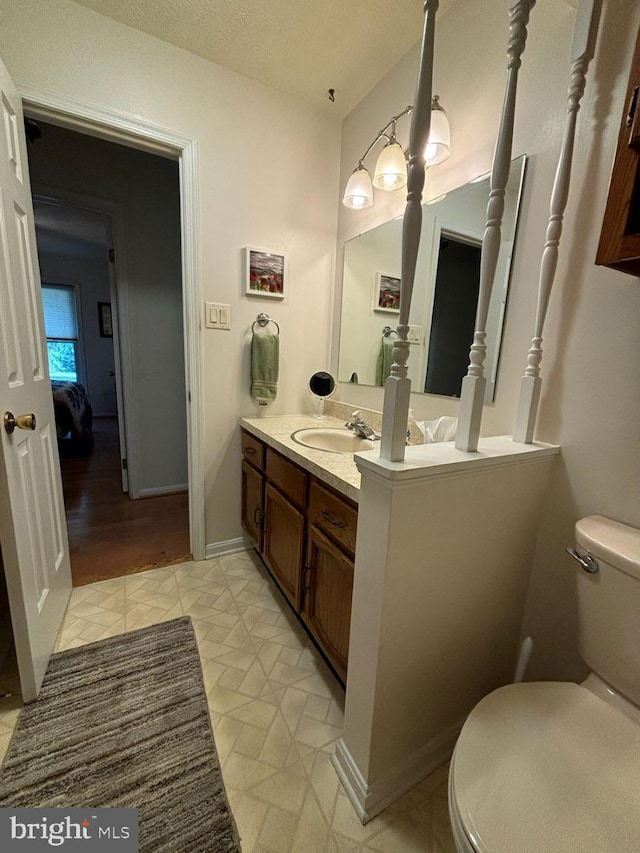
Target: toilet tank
609 603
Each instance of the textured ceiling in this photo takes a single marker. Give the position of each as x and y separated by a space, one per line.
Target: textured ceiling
301 47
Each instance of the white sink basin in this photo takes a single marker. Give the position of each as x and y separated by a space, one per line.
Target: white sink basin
332 440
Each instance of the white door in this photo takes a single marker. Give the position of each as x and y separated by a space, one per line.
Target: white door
33 534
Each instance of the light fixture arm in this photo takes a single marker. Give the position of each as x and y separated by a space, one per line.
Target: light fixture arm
383 133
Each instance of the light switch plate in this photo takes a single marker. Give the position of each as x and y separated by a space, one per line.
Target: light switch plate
415 335
217 315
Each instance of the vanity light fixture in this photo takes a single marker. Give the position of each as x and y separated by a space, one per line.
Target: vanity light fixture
391 167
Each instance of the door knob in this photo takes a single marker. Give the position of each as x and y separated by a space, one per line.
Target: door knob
22 422
111 373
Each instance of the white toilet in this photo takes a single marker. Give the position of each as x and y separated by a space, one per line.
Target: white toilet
554 767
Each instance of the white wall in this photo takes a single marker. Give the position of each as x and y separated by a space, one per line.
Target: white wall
361 331
91 277
591 366
268 176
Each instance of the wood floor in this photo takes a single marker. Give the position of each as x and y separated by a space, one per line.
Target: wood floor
109 534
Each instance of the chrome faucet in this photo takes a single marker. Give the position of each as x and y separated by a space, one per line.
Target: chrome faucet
360 428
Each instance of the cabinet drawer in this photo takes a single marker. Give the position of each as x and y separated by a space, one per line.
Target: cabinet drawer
253 450
334 516
291 480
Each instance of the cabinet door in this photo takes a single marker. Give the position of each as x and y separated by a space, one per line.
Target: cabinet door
620 238
283 543
252 502
327 602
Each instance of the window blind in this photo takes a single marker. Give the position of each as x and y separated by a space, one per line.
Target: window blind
60 320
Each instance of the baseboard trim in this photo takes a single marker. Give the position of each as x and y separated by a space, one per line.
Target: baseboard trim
228 546
163 490
369 800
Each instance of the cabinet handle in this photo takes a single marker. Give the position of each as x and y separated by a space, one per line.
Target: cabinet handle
330 519
632 106
256 516
250 451
632 121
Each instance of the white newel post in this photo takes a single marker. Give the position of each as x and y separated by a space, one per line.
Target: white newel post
583 48
398 385
474 383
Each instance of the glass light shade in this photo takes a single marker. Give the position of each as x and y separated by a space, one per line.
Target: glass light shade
358 192
391 168
438 146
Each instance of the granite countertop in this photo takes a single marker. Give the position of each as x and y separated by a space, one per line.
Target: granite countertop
337 470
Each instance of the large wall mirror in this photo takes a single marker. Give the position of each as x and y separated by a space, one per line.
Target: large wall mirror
445 293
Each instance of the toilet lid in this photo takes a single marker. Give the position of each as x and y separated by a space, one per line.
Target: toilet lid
548 767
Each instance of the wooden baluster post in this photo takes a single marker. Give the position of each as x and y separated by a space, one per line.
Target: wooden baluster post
584 42
474 383
397 388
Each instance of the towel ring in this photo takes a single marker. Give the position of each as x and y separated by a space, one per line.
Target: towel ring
263 320
387 331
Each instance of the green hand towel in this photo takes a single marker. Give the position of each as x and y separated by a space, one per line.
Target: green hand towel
265 353
384 362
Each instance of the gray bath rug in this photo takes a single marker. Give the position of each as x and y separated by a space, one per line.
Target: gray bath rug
124 723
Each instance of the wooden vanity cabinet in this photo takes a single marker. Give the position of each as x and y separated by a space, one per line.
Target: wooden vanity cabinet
306 535
253 465
283 548
328 578
252 502
620 237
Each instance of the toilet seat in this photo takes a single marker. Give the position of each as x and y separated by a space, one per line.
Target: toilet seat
546 766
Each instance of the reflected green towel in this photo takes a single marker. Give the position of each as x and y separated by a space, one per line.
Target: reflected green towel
384 362
265 357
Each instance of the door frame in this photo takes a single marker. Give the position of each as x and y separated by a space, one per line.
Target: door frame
113 211
441 227
119 127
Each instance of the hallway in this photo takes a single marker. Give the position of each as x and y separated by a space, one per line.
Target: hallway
109 534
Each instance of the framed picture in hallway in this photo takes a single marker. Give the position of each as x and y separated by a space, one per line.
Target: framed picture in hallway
104 318
265 273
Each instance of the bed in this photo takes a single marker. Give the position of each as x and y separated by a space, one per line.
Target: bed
72 408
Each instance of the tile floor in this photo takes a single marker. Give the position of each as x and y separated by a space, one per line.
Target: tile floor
275 707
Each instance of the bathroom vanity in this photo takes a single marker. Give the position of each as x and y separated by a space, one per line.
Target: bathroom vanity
299 505
412 573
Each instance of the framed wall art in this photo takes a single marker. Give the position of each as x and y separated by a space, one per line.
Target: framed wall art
265 273
104 319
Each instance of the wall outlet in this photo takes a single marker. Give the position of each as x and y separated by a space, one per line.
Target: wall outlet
217 315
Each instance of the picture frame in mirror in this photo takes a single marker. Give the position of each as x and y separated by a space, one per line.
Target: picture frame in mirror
386 293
